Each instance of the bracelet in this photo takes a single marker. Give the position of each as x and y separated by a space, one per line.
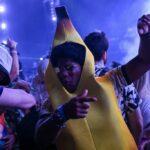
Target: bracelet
60 122
53 117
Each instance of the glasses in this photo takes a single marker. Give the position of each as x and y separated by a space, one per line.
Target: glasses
66 67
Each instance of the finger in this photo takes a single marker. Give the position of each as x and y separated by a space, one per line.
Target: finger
80 115
87 99
146 25
140 27
145 21
143 27
140 31
84 105
83 111
84 93
147 17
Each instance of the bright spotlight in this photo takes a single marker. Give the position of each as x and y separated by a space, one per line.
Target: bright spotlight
52 2
54 18
3 26
4 42
2 9
41 58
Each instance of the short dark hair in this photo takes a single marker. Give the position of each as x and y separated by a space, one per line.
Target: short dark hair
70 50
98 43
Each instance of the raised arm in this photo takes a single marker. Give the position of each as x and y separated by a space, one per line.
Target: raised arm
141 63
11 44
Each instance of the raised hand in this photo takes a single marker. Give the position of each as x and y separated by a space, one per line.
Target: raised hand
143 27
11 44
144 24
78 107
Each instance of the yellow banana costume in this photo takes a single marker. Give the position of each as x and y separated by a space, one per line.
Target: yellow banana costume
104 127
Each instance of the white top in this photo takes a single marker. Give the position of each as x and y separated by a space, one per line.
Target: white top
5 58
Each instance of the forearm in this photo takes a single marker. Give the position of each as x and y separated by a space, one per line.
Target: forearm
50 124
47 129
135 68
16 98
15 65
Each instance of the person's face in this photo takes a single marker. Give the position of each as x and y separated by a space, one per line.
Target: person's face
69 73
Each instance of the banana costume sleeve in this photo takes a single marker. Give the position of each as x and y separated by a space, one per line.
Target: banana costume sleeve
104 127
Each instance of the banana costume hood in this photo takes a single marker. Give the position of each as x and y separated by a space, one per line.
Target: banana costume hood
104 127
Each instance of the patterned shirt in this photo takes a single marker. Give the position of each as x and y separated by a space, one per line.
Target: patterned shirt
127 96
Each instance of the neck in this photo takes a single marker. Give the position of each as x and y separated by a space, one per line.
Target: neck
100 63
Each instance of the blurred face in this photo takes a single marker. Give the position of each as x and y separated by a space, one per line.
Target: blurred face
69 73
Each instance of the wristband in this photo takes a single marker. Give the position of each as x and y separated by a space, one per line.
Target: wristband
60 110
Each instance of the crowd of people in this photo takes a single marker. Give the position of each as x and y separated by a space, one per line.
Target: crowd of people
75 102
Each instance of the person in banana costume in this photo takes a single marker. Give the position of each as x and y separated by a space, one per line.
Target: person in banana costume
73 89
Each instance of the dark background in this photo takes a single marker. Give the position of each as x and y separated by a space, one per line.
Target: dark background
30 24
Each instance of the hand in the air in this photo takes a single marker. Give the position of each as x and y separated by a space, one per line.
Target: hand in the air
143 27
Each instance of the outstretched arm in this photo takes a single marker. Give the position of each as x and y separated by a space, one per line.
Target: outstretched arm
50 124
16 98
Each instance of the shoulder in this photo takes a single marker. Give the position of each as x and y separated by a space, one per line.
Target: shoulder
117 76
